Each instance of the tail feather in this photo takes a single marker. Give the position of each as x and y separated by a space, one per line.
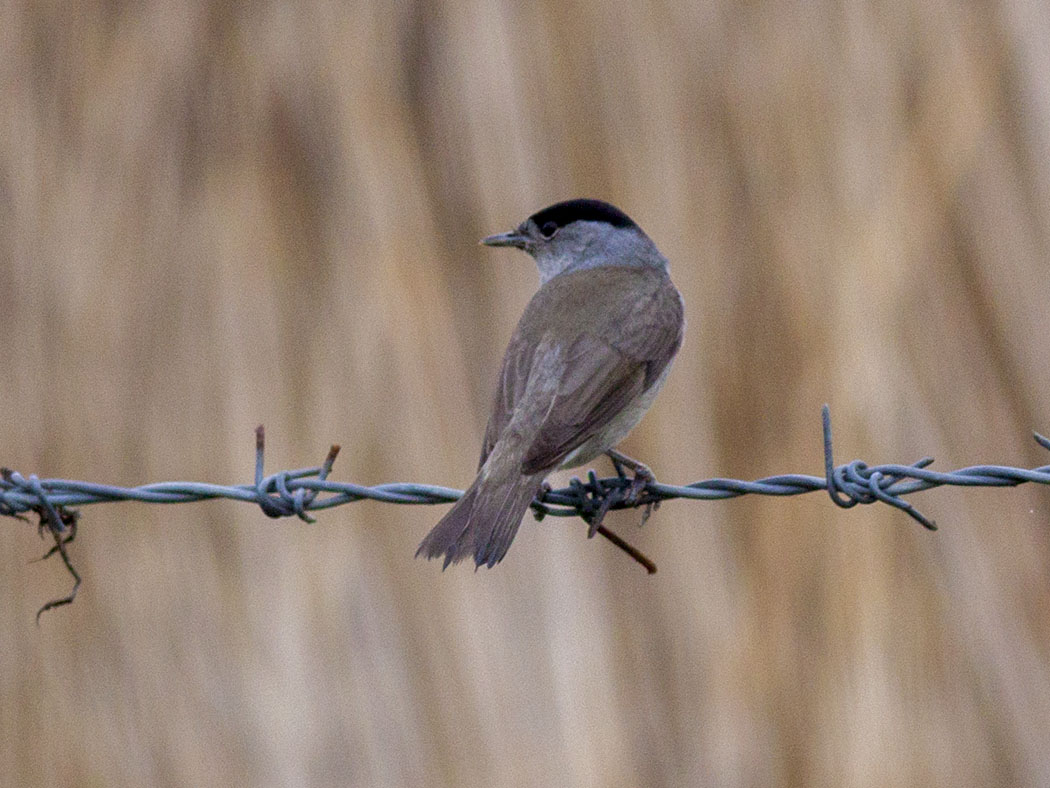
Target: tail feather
450 535
483 522
513 501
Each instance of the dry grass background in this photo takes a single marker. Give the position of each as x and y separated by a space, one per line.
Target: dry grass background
216 215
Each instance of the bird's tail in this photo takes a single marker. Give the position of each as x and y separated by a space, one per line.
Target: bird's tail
485 520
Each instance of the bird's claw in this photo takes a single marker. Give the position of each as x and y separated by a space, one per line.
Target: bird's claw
643 477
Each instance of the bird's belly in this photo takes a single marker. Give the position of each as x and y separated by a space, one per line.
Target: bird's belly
617 429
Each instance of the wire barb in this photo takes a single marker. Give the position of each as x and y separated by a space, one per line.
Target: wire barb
855 482
298 492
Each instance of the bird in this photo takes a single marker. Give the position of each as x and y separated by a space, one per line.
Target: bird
589 354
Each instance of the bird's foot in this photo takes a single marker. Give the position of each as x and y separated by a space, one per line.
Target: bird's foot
643 477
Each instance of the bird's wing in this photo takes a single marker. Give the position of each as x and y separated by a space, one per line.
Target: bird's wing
513 378
597 382
598 371
600 378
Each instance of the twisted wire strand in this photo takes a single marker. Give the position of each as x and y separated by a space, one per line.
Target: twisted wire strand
297 492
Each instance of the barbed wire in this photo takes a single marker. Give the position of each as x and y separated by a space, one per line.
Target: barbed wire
297 492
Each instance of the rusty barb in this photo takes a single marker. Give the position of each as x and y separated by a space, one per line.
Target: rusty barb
298 492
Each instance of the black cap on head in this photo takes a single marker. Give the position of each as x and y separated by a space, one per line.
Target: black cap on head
570 211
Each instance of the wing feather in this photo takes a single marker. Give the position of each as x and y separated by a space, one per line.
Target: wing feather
601 364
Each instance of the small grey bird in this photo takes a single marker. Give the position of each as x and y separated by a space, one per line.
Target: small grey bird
585 362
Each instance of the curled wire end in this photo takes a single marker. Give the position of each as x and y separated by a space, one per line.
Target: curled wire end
268 505
304 498
260 447
6 508
832 484
273 493
856 483
290 502
881 495
539 505
1042 440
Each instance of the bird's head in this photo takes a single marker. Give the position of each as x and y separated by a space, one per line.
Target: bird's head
578 234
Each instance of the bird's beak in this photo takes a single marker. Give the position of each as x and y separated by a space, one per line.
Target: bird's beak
513 238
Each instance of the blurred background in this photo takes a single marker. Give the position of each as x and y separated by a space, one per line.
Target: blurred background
215 215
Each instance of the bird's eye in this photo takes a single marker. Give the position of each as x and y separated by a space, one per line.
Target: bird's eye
549 229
